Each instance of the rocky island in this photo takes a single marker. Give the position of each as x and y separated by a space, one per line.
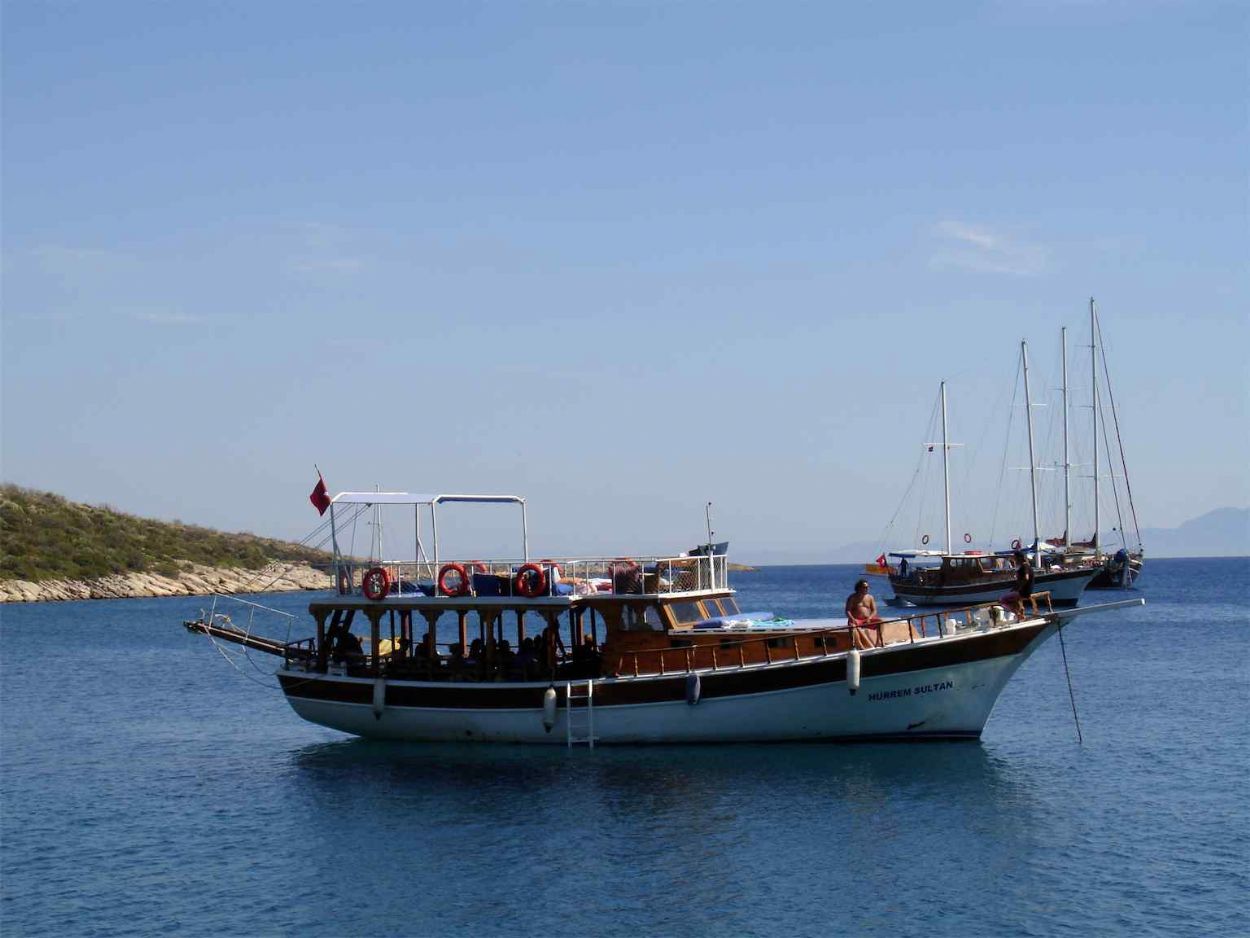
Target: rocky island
55 549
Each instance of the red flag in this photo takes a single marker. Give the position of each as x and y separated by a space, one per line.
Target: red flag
320 497
881 560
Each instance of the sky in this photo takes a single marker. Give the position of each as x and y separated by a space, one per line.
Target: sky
623 258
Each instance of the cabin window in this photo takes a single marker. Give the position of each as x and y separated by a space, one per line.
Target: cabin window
641 619
730 606
779 643
686 612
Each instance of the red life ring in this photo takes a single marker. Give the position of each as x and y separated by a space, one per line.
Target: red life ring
376 583
345 583
1015 545
967 538
462 588
925 539
531 580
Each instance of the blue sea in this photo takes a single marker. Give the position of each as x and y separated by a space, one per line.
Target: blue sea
149 787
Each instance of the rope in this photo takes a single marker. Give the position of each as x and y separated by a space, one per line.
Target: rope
1071 696
1002 471
1119 439
249 586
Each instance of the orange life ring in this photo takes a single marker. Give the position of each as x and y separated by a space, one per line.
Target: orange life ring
967 538
345 583
376 583
1015 545
531 580
457 568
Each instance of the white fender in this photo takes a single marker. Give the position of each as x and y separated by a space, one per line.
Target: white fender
694 689
852 670
549 708
379 697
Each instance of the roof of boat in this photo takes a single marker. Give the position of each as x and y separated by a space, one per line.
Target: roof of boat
409 498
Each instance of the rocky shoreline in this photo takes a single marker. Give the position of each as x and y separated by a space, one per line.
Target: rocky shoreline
195 580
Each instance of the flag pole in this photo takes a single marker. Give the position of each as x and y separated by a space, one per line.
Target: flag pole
334 541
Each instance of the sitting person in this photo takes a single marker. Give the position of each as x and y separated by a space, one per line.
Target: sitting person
587 661
348 646
861 607
1024 585
525 664
455 661
475 660
505 660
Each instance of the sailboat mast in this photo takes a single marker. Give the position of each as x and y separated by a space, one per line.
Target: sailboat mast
1028 413
1093 381
1067 492
946 472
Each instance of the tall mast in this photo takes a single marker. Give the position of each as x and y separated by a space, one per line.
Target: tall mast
1067 493
1028 413
1093 381
946 472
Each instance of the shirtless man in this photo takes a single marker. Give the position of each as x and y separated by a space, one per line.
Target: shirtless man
861 608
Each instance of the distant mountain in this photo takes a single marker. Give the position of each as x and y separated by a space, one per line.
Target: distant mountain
1224 532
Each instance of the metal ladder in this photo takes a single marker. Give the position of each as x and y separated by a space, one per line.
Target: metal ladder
579 727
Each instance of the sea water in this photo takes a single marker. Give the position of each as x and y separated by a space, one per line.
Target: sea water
149 787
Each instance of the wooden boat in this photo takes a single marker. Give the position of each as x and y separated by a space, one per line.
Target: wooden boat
939 579
924 577
628 650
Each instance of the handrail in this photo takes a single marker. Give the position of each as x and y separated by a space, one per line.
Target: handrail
585 576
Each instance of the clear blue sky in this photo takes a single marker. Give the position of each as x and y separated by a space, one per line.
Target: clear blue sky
622 258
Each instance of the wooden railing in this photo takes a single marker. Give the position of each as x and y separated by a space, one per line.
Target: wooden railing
945 623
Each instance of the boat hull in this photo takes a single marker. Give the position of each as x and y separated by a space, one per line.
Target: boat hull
1112 577
933 689
1065 589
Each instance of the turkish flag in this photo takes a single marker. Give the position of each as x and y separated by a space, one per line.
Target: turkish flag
320 497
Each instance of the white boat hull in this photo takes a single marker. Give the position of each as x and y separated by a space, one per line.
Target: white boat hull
950 701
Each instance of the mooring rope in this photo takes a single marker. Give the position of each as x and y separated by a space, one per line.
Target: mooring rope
1071 696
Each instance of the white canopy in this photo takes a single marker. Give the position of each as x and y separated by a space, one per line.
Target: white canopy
432 502
407 498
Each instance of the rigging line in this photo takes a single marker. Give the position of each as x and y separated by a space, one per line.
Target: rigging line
248 585
1119 439
906 493
924 463
1115 489
231 662
1002 469
1068 674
